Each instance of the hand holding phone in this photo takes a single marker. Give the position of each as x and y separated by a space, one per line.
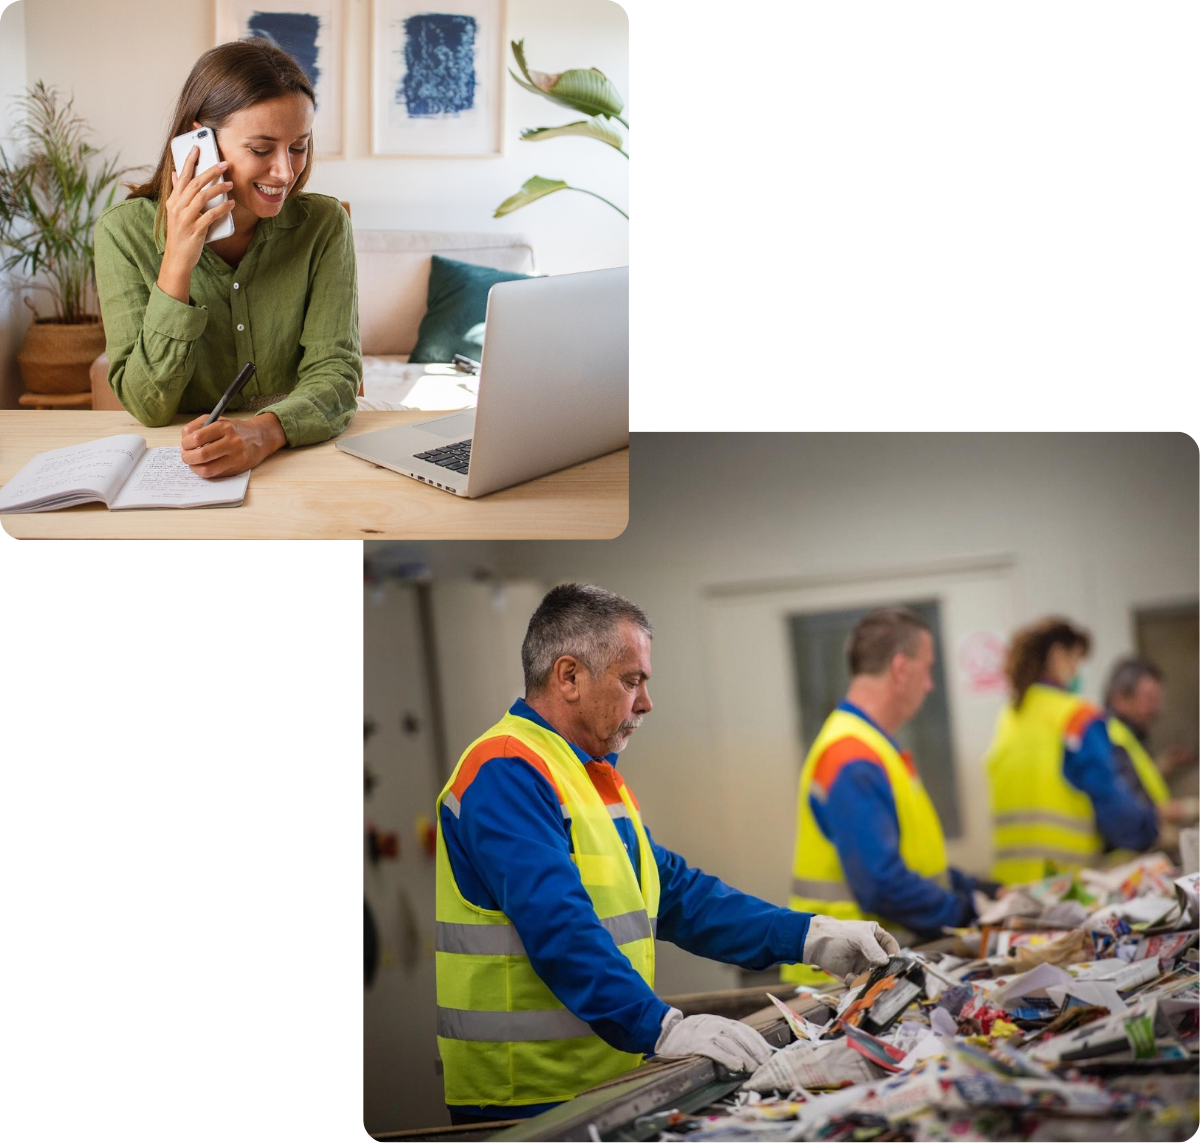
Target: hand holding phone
189 223
206 140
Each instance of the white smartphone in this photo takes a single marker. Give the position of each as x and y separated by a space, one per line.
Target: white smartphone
206 140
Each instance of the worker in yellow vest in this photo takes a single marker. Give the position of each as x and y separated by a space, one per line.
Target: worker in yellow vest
868 840
1134 703
551 889
1058 800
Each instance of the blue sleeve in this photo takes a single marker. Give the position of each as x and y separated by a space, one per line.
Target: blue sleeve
1124 820
966 884
702 914
859 817
510 832
962 882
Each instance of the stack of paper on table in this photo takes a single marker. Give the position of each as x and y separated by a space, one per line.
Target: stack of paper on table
398 385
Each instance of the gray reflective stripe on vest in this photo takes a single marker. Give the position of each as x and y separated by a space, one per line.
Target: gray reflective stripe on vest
503 940
618 810
484 940
1044 817
451 803
552 1024
625 927
822 890
1040 851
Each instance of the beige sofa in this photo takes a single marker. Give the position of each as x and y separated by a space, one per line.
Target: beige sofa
393 280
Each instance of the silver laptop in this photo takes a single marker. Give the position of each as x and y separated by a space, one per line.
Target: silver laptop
553 390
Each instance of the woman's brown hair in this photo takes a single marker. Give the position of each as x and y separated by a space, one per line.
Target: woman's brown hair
223 81
1030 648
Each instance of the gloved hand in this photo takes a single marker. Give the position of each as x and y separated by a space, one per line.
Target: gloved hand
731 1043
841 947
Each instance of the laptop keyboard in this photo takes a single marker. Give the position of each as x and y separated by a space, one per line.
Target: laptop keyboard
456 457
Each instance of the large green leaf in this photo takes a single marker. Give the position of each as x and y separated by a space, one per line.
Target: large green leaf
588 128
531 190
582 89
538 187
587 90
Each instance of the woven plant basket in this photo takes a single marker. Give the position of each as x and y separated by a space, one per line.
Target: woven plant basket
55 357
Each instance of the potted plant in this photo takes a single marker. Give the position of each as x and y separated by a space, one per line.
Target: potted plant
50 197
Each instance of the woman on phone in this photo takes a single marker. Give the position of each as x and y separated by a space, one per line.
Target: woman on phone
182 316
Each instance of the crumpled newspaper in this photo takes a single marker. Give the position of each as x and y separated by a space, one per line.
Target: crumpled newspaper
804 1065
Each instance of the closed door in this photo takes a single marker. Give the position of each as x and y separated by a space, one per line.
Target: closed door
1170 637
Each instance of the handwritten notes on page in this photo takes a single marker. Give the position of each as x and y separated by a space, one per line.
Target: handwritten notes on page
162 480
72 475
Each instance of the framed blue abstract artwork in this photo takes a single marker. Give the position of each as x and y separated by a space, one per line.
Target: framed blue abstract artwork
437 70
310 31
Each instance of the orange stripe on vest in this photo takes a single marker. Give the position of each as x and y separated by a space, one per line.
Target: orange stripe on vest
503 747
1081 720
836 755
608 783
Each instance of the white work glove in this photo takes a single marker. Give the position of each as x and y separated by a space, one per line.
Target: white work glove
734 1045
841 947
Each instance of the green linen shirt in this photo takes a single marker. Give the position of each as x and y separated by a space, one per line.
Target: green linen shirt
290 306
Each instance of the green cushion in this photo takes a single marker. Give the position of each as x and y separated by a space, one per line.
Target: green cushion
457 309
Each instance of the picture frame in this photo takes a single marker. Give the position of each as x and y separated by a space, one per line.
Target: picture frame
313 33
437 78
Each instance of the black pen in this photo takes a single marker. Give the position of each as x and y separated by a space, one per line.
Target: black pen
238 384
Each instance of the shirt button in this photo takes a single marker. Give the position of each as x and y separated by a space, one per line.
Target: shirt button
235 285
240 328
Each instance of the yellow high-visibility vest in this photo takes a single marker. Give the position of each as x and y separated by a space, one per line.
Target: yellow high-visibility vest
818 882
1119 734
1037 815
503 1036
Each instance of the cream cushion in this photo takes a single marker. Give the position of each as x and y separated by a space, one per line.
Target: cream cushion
393 278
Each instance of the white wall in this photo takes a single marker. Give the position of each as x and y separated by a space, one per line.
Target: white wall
14 315
1097 526
126 61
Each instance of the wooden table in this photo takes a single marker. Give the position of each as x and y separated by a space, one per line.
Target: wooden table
316 492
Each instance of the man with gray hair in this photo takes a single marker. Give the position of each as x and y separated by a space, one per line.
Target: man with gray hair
1134 702
551 890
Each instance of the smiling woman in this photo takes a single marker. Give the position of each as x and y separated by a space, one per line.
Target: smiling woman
181 315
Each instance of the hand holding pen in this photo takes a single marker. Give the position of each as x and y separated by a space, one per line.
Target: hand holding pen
214 447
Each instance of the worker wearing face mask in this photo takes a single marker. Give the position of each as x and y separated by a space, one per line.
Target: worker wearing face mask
1058 799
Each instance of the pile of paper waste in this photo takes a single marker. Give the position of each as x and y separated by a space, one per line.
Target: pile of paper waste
1069 1011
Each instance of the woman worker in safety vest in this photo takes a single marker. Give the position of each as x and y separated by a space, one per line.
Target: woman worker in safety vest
1057 796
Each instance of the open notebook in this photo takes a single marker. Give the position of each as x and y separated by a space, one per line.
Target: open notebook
120 472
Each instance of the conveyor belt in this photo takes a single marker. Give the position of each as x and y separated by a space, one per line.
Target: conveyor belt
631 1107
